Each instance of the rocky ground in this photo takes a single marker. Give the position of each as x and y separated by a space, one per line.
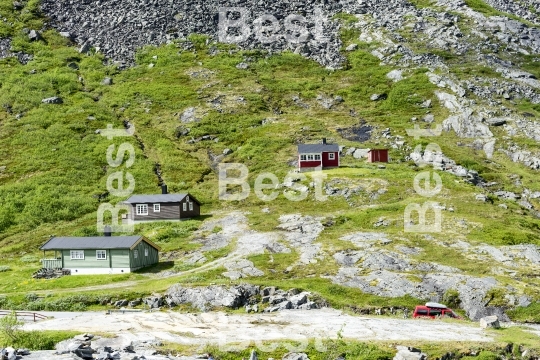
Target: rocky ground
374 262
118 28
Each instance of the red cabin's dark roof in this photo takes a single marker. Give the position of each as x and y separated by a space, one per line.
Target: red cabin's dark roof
317 148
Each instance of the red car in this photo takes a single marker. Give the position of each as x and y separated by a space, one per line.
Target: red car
434 310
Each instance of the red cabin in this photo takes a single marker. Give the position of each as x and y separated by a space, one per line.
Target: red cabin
378 155
318 156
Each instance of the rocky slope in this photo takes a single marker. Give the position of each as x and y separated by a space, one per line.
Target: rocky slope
118 28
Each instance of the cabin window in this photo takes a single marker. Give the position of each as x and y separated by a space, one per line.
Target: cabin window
157 207
142 209
190 206
145 252
135 254
187 198
76 254
302 157
310 157
184 207
331 156
317 157
101 254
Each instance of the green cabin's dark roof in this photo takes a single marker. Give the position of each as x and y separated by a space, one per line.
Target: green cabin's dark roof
158 198
94 242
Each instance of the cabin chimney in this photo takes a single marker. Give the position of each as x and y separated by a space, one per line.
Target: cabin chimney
107 231
164 189
324 141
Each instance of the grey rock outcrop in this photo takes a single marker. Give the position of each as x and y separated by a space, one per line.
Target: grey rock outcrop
237 269
251 297
388 275
295 356
153 302
377 97
395 75
52 100
409 353
441 162
212 296
301 232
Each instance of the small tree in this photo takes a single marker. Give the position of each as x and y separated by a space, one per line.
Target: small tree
9 326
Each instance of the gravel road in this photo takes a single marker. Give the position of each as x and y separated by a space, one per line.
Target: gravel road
221 328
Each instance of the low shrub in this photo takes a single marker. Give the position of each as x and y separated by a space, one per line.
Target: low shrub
29 259
36 340
530 314
68 303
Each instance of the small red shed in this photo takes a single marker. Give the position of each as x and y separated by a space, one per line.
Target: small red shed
378 155
318 156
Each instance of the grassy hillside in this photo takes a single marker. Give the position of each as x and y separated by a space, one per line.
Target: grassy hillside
56 170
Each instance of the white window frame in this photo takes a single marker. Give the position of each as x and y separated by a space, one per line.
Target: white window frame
76 254
184 207
101 254
141 209
331 156
135 254
310 157
187 198
191 206
145 251
157 207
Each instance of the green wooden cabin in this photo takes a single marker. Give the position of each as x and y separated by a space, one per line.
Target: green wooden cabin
100 254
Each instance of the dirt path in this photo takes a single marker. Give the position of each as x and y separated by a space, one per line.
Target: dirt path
222 329
131 283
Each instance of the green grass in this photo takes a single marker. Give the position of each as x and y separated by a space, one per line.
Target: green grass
37 340
349 19
529 314
482 7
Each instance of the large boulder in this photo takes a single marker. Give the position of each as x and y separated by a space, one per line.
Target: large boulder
360 153
477 311
490 322
9 353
